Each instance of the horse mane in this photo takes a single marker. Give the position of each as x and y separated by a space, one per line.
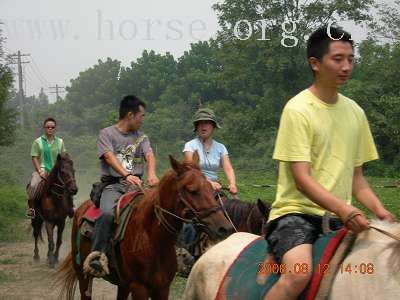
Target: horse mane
238 209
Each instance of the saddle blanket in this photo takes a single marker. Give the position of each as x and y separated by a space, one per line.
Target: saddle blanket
240 283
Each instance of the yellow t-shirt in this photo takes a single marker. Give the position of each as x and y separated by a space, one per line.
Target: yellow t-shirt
334 138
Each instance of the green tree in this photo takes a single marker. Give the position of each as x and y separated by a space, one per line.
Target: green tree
7 114
148 77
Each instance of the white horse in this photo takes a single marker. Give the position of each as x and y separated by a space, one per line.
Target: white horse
372 249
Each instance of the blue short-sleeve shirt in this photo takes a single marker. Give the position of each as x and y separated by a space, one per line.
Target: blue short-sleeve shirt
210 160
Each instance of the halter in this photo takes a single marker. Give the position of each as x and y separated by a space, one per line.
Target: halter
196 220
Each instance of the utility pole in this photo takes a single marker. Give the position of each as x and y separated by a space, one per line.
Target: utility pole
21 97
59 89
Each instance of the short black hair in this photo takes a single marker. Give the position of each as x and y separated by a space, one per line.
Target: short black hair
319 41
129 103
49 120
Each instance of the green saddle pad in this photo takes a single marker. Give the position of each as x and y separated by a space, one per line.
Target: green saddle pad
240 283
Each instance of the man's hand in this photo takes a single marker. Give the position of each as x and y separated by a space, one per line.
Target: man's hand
43 174
384 214
215 185
353 219
232 188
152 180
132 179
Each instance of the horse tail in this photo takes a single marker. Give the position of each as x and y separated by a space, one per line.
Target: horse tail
67 277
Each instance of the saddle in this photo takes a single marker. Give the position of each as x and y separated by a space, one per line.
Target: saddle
241 279
123 211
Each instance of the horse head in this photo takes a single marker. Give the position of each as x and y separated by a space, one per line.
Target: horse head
263 209
194 199
66 173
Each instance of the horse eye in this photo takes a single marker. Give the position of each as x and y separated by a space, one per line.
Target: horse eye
194 193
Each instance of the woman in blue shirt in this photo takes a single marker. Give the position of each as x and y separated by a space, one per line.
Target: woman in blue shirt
213 155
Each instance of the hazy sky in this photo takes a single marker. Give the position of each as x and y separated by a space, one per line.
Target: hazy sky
66 37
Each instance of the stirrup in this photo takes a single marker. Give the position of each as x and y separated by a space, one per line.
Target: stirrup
31 213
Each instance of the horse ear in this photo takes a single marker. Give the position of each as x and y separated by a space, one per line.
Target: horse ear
176 165
263 208
196 158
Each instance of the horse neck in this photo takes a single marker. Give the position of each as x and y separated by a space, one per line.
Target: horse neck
238 211
165 196
53 174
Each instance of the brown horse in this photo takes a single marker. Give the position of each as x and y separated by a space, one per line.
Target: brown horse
53 201
146 255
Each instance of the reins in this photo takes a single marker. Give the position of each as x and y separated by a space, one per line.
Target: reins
393 236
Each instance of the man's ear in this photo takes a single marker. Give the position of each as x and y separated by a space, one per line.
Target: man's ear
130 115
314 64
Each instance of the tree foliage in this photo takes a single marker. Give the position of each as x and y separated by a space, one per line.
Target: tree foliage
7 114
247 81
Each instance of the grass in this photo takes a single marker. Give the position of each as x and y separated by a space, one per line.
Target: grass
6 277
8 261
12 212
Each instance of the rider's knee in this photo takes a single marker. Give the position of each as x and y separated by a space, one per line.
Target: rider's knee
296 281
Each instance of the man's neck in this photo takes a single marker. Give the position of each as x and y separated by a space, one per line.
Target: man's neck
327 93
206 142
49 137
122 126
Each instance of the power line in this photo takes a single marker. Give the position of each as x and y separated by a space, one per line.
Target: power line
58 90
42 82
39 72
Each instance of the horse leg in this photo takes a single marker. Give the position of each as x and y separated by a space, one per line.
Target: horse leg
50 238
60 229
37 228
139 291
160 294
123 293
85 287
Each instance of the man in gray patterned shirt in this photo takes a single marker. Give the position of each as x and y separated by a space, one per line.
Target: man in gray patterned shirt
123 151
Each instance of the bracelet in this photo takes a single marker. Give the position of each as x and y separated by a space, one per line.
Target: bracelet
127 175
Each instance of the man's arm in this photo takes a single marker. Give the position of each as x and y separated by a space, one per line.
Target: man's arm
364 194
111 160
230 174
151 169
309 187
36 165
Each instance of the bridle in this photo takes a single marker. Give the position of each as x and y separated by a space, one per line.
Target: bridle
199 215
60 190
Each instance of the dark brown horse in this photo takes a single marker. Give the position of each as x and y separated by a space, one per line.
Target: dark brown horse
245 216
146 255
53 202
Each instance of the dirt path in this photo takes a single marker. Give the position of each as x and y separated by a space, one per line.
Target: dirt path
21 278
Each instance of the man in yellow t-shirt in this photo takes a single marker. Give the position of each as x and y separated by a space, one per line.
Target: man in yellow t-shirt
322 143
